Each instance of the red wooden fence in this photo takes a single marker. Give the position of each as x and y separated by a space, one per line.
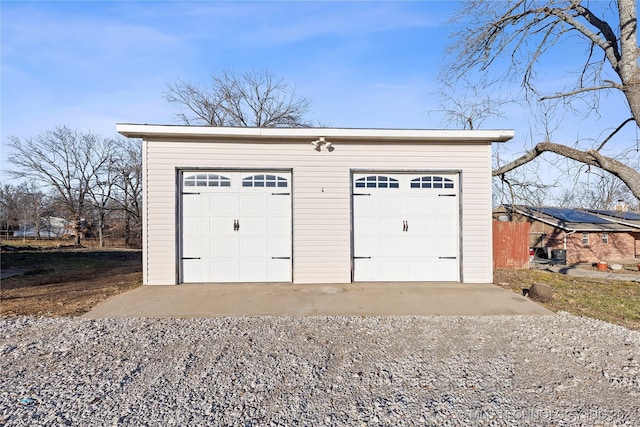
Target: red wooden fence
510 244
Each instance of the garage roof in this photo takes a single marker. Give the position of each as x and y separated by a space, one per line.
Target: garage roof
258 134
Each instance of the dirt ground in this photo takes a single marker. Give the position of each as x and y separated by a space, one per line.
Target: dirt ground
64 281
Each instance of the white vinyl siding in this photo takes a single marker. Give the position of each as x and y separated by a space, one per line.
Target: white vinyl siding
321 197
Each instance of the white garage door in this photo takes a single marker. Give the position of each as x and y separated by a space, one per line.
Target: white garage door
236 227
406 227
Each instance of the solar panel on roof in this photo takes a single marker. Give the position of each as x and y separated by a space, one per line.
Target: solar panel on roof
631 216
572 215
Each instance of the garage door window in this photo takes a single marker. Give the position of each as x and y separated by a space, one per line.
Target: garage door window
432 182
264 181
377 181
206 180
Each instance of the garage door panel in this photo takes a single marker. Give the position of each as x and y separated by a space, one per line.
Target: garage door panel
253 202
252 225
445 226
391 246
421 247
392 269
196 226
389 204
279 247
253 270
196 247
366 246
421 267
447 203
223 204
365 203
424 204
253 246
366 269
224 270
446 247
442 267
195 271
279 204
368 225
221 225
278 226
421 226
236 226
221 246
405 230
277 269
389 225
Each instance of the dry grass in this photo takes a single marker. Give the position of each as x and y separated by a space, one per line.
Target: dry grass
609 300
66 281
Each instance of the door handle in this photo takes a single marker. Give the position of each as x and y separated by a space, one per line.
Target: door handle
236 224
405 226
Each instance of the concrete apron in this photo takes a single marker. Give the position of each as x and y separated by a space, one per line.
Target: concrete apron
286 299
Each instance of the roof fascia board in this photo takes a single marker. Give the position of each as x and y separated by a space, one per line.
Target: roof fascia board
343 134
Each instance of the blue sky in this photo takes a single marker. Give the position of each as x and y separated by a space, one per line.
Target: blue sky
91 64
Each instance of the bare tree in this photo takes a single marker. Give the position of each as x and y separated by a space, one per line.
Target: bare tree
601 191
250 99
465 105
128 188
67 161
524 31
34 206
101 191
23 204
11 206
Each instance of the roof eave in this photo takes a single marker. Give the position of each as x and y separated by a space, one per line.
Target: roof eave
344 134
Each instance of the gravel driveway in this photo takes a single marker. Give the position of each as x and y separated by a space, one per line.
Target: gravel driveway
313 371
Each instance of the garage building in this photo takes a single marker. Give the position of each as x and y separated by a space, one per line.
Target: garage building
315 205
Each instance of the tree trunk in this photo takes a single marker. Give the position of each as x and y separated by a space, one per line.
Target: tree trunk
627 67
101 229
127 231
77 226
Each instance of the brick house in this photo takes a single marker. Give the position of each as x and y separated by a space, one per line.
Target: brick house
587 235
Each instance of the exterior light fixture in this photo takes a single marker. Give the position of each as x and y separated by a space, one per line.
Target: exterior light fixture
318 143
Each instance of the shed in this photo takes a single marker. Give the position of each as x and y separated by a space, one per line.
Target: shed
315 205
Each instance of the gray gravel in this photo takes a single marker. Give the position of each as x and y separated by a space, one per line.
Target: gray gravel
351 371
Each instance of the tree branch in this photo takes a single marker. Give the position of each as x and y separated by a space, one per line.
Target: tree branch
626 174
612 85
630 119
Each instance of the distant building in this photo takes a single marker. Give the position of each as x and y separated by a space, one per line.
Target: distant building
50 227
587 235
